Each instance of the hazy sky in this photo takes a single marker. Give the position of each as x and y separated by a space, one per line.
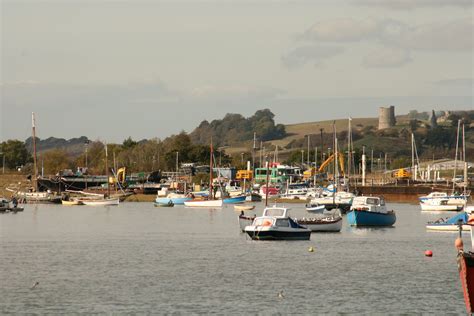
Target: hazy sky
113 69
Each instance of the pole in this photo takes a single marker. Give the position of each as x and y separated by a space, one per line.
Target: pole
363 165
177 163
309 141
322 145
107 170
302 157
3 165
268 180
86 145
456 156
35 180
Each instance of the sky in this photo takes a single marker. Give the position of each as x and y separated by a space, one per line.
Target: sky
113 69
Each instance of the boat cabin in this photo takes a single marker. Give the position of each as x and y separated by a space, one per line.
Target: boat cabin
369 203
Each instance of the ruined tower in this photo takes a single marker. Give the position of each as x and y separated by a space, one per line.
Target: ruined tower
386 117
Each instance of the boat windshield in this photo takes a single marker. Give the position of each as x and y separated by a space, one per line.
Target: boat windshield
274 212
372 201
282 222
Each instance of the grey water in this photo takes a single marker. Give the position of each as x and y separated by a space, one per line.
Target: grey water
138 259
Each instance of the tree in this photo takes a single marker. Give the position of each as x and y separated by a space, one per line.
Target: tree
15 153
129 143
55 160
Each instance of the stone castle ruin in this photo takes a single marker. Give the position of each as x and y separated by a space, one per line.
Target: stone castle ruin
386 117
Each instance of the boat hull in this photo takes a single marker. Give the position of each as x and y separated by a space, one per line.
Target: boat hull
277 234
175 201
334 225
365 218
447 227
440 208
235 200
466 274
204 203
107 202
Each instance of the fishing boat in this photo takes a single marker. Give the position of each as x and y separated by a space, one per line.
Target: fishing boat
245 221
439 205
465 262
341 200
275 224
6 208
370 211
244 207
101 202
322 224
175 198
450 224
235 199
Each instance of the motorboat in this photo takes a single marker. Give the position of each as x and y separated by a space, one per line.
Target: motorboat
101 202
452 199
253 197
438 205
275 224
6 208
273 192
322 224
370 211
295 192
175 198
450 224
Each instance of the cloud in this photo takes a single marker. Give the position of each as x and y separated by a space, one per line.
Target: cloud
310 54
341 30
456 82
414 4
387 57
447 36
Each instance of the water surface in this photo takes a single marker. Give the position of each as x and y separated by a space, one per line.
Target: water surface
135 258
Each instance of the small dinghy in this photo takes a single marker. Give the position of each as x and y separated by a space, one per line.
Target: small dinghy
315 208
245 221
71 202
169 204
275 224
322 224
244 207
101 202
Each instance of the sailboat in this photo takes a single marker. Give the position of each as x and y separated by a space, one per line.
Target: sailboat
34 196
209 202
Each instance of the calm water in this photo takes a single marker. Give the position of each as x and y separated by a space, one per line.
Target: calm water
135 258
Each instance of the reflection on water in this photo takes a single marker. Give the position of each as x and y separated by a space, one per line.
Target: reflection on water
136 258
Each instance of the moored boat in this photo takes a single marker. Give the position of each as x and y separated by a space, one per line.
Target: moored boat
175 198
244 207
235 199
315 208
71 202
101 202
322 224
245 220
169 204
370 211
275 224
439 205
450 224
203 203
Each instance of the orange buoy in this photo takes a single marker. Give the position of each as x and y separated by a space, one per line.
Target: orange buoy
459 244
429 253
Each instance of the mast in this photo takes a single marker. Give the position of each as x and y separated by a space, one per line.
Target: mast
210 173
456 156
349 152
268 175
107 169
35 167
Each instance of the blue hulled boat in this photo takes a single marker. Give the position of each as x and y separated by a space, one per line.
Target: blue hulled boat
235 199
370 211
450 224
176 199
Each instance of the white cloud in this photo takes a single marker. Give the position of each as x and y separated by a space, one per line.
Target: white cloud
387 57
310 54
